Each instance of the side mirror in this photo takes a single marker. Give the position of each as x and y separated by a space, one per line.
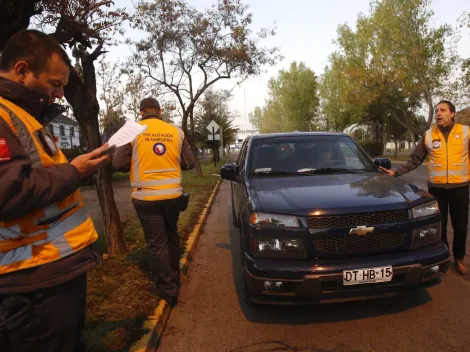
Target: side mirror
229 172
384 162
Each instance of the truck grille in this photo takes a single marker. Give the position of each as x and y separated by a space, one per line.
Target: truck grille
362 219
353 244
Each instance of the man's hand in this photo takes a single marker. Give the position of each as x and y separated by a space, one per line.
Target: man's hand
87 164
389 172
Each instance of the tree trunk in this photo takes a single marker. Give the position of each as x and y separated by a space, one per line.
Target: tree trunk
413 139
191 120
197 167
431 110
82 97
396 149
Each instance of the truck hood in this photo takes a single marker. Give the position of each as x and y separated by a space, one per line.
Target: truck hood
333 193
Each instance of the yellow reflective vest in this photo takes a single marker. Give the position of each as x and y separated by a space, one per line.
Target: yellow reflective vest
155 171
47 234
448 161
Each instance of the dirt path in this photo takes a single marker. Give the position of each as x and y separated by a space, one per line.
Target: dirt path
122 196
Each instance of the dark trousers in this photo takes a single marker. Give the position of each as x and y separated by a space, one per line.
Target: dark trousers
454 201
50 320
159 220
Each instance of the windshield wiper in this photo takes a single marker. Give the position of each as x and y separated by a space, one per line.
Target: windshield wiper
277 173
329 170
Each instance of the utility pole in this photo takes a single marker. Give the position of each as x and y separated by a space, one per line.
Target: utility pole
244 103
222 139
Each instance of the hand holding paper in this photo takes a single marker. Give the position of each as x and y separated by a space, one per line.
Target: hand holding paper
126 134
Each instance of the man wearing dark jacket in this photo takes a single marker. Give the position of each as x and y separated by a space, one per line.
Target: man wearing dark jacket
447 146
45 233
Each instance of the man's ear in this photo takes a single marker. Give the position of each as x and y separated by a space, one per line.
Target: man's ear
21 69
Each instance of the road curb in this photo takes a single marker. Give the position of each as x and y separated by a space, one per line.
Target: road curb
157 321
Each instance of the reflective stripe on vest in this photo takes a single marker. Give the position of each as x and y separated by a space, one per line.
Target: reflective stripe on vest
448 161
151 183
13 250
157 175
47 234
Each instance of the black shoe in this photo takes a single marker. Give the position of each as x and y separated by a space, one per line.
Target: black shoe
172 301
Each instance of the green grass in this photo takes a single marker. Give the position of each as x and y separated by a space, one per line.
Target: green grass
118 290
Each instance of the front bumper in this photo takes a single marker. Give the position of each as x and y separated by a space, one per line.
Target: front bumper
321 281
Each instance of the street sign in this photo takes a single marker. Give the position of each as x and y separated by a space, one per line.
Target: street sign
215 137
213 127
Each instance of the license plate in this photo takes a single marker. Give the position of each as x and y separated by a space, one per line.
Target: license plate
367 275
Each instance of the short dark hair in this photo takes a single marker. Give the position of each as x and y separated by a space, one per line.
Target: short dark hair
449 104
149 103
32 46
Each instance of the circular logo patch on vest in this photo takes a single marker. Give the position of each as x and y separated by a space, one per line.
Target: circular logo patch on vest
457 136
159 149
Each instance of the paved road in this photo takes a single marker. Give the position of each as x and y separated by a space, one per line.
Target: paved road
212 316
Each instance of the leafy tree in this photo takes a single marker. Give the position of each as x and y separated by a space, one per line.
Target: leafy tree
256 117
384 70
112 95
292 103
187 51
412 50
214 106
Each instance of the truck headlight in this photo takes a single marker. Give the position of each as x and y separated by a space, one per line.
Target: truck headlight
276 220
424 210
279 247
426 235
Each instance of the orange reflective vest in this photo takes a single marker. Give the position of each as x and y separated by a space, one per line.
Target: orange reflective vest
155 171
47 234
448 162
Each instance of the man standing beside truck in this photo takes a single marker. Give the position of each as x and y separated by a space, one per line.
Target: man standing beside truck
447 147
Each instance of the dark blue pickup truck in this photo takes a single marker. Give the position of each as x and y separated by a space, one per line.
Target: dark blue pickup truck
320 223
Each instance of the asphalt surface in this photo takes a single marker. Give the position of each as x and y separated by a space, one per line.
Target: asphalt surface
212 316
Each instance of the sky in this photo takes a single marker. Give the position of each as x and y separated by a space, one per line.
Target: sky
305 30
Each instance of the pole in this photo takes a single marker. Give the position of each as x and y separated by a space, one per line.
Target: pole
215 146
222 140
244 103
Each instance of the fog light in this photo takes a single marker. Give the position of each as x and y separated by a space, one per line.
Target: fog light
270 285
426 235
434 269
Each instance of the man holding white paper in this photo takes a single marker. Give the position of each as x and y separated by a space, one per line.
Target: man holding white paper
155 160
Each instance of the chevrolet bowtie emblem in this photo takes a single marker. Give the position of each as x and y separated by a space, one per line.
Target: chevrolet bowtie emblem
361 230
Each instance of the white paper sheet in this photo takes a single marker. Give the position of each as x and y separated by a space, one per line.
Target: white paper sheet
126 133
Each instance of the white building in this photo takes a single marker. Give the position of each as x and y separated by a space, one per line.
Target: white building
241 136
67 131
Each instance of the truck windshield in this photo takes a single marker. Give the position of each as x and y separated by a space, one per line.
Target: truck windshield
307 154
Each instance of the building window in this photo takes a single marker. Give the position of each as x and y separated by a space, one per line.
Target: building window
51 128
72 131
62 130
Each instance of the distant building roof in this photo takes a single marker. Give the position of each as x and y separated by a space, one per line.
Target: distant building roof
352 128
65 120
